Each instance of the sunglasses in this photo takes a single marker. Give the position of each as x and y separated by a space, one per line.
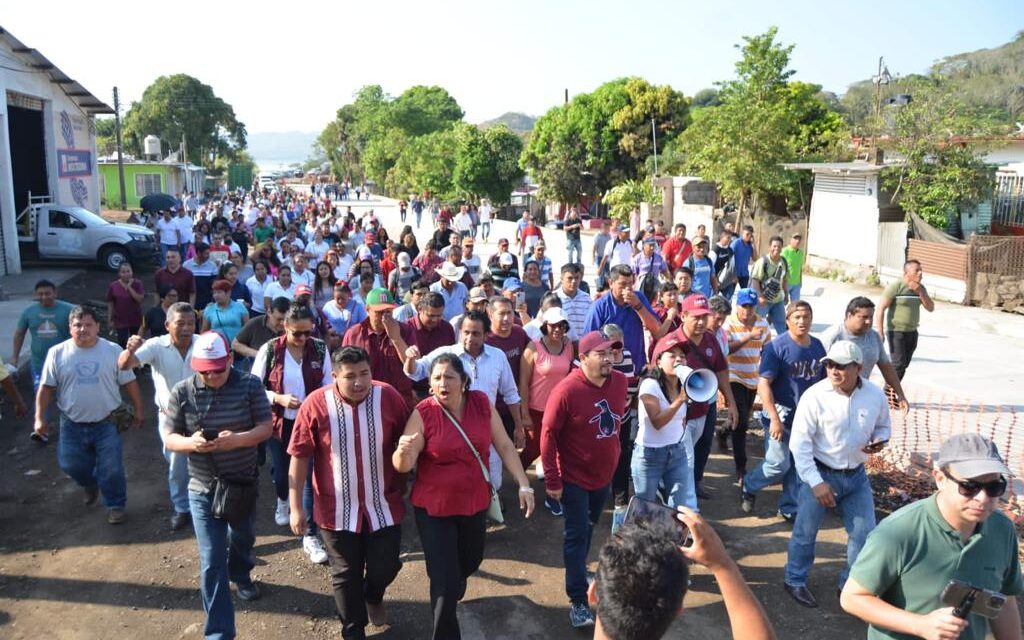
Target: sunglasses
971 488
301 334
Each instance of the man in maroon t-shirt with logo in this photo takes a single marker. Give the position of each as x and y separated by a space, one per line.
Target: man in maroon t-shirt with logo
511 340
580 450
702 352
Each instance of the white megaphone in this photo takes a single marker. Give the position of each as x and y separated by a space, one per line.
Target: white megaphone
700 385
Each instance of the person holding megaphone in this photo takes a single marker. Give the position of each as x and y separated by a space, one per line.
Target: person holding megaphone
702 354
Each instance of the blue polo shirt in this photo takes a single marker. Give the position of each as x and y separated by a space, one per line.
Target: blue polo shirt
605 310
743 252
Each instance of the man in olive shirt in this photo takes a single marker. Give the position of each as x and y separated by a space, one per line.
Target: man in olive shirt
957 534
901 311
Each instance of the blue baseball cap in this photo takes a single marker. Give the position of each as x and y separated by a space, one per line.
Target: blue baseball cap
511 284
746 296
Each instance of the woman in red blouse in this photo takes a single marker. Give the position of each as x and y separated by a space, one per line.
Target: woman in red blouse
450 495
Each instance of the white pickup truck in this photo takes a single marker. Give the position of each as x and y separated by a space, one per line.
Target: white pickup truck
50 231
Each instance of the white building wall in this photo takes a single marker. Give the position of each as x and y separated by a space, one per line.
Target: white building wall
844 227
69 135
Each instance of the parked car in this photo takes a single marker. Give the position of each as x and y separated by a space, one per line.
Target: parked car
57 232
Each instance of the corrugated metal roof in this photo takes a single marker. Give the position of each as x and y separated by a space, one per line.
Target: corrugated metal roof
839 167
86 101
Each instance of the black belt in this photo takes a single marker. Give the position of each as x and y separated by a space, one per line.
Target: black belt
842 471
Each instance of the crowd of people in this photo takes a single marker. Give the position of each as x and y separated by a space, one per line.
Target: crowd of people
286 335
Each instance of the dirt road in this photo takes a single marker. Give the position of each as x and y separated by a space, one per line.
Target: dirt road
66 574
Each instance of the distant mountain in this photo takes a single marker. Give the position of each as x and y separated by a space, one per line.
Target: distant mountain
281 147
518 122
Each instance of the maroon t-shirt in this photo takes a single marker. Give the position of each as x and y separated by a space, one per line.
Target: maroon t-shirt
127 312
385 364
512 346
706 355
181 280
579 439
427 340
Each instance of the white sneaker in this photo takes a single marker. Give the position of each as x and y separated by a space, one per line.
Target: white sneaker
311 545
282 513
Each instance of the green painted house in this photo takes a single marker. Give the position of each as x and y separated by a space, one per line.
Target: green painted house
142 177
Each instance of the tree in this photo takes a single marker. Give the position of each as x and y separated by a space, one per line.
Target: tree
426 163
421 110
623 198
602 138
180 106
763 120
106 138
487 163
937 139
706 98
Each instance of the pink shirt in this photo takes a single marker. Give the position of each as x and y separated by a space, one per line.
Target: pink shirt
548 370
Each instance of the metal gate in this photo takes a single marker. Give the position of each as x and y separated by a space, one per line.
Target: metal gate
892 248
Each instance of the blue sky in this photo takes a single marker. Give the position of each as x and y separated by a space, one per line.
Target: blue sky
289 66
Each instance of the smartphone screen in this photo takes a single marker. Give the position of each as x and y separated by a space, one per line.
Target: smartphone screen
640 509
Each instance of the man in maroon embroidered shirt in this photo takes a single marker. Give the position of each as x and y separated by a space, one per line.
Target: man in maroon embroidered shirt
580 449
376 335
357 493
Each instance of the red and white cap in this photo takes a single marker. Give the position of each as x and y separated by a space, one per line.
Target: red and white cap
210 352
303 290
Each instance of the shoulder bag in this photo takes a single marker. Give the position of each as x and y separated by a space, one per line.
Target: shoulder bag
234 497
494 509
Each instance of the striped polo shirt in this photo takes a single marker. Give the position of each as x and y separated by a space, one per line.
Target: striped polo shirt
744 362
239 405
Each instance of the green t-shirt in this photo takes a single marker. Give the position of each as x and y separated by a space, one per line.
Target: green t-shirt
904 314
911 556
772 276
795 261
262 234
47 327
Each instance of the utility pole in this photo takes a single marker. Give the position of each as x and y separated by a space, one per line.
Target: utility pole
184 166
654 137
120 149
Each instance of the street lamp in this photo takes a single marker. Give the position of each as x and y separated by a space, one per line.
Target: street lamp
882 77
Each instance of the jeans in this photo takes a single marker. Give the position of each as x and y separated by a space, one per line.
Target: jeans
902 345
453 548
419 217
485 230
362 566
775 314
777 466
90 452
225 553
703 440
177 473
602 274
854 503
668 466
37 375
794 292
280 460
574 248
582 509
744 397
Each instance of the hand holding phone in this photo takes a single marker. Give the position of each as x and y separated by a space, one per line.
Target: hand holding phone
210 434
639 510
875 447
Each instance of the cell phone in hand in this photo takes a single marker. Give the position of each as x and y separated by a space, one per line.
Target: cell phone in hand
639 510
966 599
210 434
876 446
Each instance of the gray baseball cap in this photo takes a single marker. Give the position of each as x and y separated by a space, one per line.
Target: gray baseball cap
970 455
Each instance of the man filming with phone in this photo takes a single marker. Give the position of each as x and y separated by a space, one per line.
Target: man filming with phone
839 421
642 576
957 534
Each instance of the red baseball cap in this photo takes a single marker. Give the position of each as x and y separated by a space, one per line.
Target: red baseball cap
210 352
303 290
596 341
669 342
696 305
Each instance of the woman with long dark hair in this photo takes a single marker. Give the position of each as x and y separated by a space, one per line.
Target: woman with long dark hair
323 284
663 451
291 367
451 492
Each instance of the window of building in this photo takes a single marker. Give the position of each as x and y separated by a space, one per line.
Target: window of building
147 183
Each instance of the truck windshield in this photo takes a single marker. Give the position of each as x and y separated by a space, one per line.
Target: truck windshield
86 216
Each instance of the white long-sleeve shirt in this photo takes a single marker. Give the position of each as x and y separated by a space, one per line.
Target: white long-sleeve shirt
488 372
833 427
